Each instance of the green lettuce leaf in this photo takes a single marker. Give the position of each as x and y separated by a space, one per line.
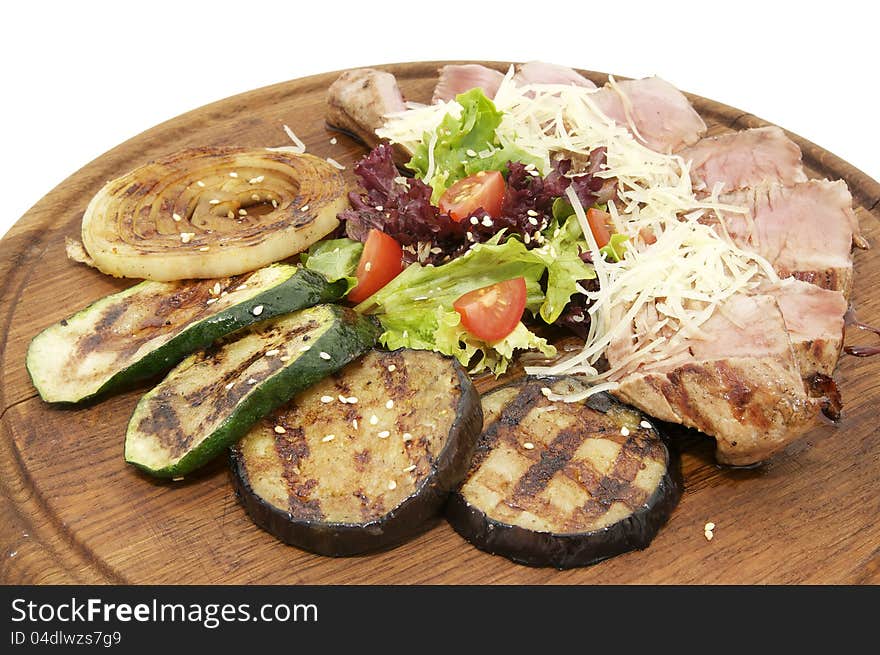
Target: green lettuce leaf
473 131
561 255
336 259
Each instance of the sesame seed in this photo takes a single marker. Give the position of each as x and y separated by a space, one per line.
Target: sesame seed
533 220
389 404
368 266
342 399
469 235
323 355
304 208
329 437
176 217
304 348
475 220
333 141
284 358
487 221
546 391
204 249
384 434
256 311
275 204
272 353
534 173
436 251
213 201
354 423
200 183
279 429
529 167
624 431
327 399
255 197
380 208
392 485
256 180
709 526
241 287
252 381
229 386
645 425
185 237
177 479
411 467
391 368
527 239
352 400
216 288
374 419
242 212
233 174
528 445
210 301
230 214
407 436
470 152
708 535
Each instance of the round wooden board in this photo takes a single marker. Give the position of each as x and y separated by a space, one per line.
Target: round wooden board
73 511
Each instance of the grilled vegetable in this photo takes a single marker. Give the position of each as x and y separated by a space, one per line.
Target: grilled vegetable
365 458
214 396
563 484
211 212
148 328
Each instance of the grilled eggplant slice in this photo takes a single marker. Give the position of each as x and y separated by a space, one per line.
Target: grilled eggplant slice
364 459
564 484
147 329
213 397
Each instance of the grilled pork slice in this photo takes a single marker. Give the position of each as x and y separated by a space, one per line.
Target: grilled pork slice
358 101
745 159
814 319
458 78
662 116
563 484
363 459
736 380
806 230
539 72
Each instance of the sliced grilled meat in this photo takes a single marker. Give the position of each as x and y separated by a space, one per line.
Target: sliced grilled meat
539 72
737 381
358 101
458 78
662 115
806 230
745 159
563 485
364 459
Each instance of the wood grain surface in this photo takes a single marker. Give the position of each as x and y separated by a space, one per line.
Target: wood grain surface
73 511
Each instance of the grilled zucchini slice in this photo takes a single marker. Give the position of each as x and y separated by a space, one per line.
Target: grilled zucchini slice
364 459
214 396
150 327
564 484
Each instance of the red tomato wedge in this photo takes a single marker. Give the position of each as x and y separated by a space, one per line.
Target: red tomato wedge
484 189
491 313
599 225
381 262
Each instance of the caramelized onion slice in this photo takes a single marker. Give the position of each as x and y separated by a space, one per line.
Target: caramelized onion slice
211 212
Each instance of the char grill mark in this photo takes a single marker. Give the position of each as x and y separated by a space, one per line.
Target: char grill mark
508 419
293 449
553 459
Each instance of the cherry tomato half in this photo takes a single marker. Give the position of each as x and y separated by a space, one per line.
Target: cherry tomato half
491 313
600 223
381 262
484 189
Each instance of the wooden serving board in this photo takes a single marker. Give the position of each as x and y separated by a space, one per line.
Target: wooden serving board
73 511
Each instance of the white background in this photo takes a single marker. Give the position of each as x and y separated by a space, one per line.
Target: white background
80 77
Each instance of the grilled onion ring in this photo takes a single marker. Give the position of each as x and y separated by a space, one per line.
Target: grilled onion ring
211 212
